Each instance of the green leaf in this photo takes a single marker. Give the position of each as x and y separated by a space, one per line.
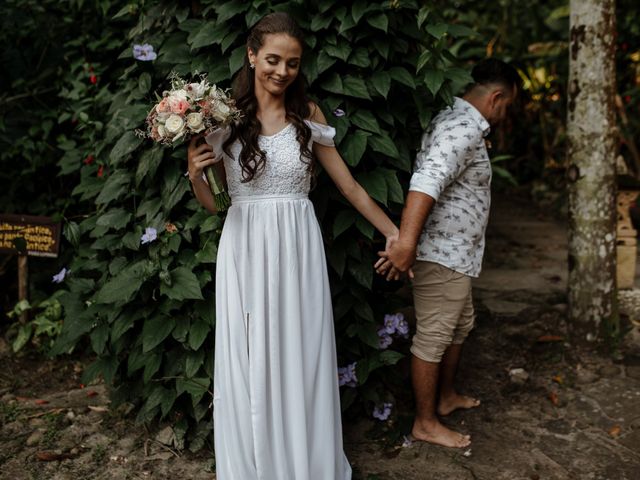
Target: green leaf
24 334
194 362
402 75
230 9
355 87
72 233
144 83
433 80
358 9
155 330
365 120
361 272
375 184
117 218
324 62
99 337
382 143
184 285
353 147
125 145
343 221
438 30
423 59
333 84
236 59
381 82
422 15
365 227
360 58
390 357
196 387
460 31
149 162
206 35
152 365
379 21
115 186
340 51
198 333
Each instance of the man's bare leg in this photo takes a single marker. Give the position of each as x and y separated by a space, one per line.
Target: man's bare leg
426 426
451 400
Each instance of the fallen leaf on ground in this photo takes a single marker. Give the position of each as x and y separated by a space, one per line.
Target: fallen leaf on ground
553 396
615 431
52 456
92 393
41 402
557 379
98 408
550 338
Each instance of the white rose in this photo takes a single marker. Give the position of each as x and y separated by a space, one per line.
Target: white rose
161 131
221 112
195 90
174 125
195 122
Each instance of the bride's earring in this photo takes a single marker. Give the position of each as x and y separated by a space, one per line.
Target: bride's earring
252 66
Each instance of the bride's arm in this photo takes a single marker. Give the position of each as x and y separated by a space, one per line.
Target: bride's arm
335 166
199 156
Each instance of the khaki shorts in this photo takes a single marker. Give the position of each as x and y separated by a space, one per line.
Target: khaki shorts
444 309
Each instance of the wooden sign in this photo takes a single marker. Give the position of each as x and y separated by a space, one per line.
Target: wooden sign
41 235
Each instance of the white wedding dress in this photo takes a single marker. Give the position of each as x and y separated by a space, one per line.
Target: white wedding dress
276 399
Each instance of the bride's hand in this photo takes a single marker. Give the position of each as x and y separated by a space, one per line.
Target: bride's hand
200 156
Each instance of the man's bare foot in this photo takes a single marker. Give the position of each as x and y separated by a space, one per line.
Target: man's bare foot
436 433
455 402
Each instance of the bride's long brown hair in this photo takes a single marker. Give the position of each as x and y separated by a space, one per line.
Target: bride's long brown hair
252 158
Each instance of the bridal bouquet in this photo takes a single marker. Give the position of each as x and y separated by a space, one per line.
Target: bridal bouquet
189 109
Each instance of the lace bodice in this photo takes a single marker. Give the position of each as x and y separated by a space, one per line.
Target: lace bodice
284 173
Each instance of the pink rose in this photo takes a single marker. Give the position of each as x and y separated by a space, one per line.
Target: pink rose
163 106
178 105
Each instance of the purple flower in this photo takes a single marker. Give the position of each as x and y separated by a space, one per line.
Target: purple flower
59 277
391 323
338 112
347 375
150 234
385 338
403 327
382 412
144 52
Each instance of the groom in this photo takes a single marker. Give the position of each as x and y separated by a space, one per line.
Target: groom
442 240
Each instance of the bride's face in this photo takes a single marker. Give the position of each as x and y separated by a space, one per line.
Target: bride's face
277 63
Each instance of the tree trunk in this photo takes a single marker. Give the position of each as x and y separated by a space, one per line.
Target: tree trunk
591 131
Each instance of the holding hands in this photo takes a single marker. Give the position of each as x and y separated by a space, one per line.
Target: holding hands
397 258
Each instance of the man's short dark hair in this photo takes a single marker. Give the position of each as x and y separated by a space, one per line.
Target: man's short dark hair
492 70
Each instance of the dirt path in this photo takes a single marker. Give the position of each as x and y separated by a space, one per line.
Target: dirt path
576 416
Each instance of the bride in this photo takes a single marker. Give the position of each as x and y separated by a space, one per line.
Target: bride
276 400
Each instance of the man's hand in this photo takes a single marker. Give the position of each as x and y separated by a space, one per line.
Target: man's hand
396 259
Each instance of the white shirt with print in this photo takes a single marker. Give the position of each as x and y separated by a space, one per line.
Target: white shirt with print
453 168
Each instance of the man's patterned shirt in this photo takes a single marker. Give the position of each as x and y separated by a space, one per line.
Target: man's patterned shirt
453 168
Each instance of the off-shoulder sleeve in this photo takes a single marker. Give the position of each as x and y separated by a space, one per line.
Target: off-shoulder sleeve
217 138
322 134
